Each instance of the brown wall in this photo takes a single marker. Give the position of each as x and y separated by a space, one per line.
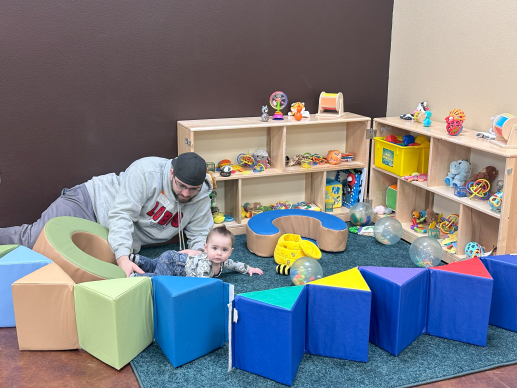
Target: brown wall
87 87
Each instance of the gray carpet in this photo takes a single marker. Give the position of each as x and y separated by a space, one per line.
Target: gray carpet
427 359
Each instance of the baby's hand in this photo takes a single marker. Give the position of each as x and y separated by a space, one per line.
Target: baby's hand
252 270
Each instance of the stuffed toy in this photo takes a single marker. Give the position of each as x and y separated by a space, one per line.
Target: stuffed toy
459 171
430 216
488 173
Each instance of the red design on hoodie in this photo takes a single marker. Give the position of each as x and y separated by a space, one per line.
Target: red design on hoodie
174 221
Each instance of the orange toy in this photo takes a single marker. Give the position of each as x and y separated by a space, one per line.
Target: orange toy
334 157
298 115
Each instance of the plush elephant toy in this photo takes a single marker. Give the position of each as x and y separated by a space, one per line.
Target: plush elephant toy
459 173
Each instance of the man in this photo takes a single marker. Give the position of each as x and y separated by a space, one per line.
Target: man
150 202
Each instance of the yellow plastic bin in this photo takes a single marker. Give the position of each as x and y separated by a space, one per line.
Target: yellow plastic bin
423 162
400 160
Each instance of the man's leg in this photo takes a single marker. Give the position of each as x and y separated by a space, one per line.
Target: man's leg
75 202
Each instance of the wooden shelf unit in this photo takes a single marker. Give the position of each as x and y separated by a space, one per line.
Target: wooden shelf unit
210 138
478 222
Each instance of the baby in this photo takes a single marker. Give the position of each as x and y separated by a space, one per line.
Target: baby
208 264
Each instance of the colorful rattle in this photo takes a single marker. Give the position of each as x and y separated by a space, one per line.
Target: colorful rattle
450 224
246 160
479 188
454 127
259 168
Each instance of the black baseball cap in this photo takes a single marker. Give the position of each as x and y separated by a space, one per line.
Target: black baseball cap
190 168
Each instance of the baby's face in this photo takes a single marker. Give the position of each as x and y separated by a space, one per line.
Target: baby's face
218 248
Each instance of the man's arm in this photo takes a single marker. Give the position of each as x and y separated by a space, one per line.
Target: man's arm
130 197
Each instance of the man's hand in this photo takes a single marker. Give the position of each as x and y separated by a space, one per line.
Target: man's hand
191 252
128 266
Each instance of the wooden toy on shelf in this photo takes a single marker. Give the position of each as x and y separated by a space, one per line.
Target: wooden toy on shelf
505 128
331 104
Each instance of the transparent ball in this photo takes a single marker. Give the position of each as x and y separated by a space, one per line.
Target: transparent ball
426 252
388 230
304 270
361 214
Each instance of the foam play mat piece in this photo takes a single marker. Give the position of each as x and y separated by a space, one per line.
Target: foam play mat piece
5 249
190 316
270 332
264 229
399 305
80 247
14 265
351 278
459 303
44 310
114 318
338 316
503 309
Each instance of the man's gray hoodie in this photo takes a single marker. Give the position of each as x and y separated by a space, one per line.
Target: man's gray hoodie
139 207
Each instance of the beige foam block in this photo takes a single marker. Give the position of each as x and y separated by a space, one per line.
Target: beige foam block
44 310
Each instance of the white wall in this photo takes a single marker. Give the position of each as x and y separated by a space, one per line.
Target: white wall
454 54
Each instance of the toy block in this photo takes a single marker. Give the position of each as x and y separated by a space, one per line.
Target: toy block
269 334
338 316
44 310
503 309
190 315
114 318
460 294
16 262
399 305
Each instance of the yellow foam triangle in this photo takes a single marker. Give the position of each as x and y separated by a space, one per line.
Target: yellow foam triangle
351 278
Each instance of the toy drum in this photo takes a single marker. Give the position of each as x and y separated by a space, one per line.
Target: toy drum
331 104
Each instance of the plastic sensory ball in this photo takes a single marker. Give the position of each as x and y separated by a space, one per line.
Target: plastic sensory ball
388 230
473 249
496 201
425 251
305 270
361 214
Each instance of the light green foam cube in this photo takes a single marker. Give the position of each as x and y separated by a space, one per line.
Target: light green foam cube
114 318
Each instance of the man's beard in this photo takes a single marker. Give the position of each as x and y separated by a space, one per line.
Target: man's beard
181 200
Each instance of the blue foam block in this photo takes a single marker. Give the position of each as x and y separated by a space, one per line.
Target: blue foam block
269 340
459 306
13 266
263 223
338 321
503 310
399 305
189 316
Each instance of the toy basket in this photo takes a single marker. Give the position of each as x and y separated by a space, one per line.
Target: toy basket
400 160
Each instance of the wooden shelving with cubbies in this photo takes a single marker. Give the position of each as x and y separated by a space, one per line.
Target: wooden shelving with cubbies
478 222
218 139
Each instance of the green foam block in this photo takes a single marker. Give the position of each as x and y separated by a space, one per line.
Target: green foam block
114 318
5 249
